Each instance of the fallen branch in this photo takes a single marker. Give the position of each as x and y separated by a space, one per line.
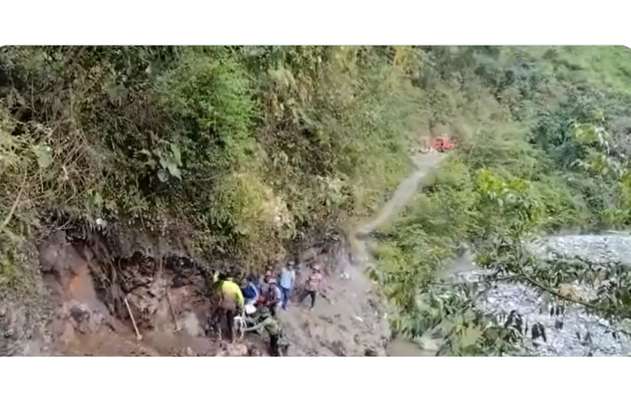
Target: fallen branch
133 321
557 294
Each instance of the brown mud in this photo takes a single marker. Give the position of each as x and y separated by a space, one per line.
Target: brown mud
97 282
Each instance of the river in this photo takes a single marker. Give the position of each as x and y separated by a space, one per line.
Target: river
570 329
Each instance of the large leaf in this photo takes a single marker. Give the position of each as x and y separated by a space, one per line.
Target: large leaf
177 155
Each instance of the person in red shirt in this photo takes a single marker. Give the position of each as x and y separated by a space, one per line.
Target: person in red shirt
313 285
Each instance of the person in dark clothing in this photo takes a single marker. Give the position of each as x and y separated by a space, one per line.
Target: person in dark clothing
265 321
250 292
264 287
255 279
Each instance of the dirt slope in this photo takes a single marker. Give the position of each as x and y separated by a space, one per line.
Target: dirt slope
352 319
86 318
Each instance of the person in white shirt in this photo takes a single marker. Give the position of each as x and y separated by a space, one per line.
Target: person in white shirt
286 282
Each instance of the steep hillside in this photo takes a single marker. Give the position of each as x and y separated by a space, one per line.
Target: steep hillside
230 156
133 165
545 144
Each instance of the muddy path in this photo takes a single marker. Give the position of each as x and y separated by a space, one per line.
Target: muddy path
425 165
350 318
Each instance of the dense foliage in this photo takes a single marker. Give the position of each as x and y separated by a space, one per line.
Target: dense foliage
247 151
241 150
545 140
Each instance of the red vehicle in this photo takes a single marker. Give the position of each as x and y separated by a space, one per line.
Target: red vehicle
443 144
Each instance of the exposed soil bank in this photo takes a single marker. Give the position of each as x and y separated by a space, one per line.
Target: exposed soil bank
99 284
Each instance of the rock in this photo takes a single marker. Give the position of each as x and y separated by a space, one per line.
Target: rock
370 352
79 313
253 351
428 343
191 325
569 291
234 350
67 334
337 347
180 281
84 319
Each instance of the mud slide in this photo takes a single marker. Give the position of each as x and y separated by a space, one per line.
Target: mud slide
169 305
425 165
350 318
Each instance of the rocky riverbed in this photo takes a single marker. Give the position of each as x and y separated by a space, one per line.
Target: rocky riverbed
569 329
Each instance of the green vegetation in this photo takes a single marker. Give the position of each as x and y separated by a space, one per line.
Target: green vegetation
545 135
243 151
247 151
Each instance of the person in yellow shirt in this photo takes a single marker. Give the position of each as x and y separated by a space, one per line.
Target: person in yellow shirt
231 301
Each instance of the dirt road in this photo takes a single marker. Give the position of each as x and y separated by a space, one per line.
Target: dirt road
425 164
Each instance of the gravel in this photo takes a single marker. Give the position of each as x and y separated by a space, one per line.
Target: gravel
570 330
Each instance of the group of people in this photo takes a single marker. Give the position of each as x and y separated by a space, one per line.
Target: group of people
257 299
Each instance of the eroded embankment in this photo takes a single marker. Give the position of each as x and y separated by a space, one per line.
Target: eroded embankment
95 282
97 293
100 284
